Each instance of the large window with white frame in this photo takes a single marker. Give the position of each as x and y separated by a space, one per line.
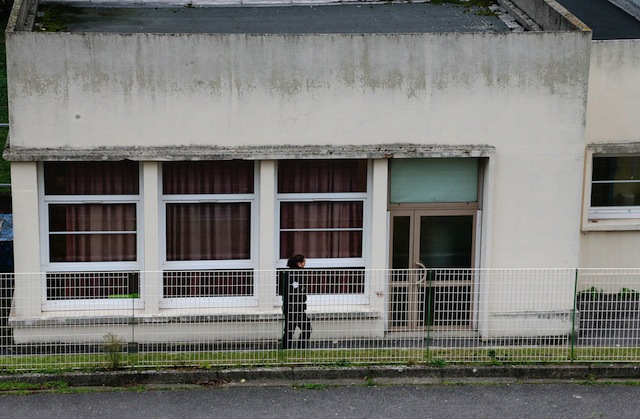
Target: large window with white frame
615 187
208 213
91 214
322 214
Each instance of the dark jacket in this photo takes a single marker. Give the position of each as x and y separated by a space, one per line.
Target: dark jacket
294 291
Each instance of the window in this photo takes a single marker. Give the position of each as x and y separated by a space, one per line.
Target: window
615 187
92 228
208 223
322 206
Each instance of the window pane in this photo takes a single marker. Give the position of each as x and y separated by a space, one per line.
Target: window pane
91 178
92 247
92 217
321 244
615 194
182 284
208 231
83 285
208 177
616 181
434 180
330 281
322 176
616 168
299 215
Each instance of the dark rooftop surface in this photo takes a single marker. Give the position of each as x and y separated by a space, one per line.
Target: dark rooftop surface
605 19
324 19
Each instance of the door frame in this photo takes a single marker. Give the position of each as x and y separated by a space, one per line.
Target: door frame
415 285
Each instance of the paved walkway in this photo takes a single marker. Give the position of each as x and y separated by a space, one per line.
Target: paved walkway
558 400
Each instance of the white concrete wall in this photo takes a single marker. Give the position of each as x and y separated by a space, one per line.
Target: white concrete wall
523 94
613 117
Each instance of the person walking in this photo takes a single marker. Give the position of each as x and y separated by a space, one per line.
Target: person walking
294 303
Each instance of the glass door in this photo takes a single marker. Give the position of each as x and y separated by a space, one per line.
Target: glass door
431 253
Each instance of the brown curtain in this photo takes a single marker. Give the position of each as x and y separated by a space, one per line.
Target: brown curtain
79 223
207 177
91 178
208 231
328 216
322 176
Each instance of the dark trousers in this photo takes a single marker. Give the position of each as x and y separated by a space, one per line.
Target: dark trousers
294 319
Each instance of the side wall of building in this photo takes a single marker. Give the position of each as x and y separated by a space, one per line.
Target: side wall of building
612 118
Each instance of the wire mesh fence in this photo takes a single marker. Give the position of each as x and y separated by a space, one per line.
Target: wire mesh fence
88 320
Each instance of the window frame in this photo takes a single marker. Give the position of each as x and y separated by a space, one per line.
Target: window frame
319 263
90 267
607 218
209 265
320 300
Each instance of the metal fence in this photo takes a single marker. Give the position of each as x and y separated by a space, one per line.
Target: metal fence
88 320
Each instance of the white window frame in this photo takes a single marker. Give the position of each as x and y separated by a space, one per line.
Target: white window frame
98 267
210 265
330 263
609 218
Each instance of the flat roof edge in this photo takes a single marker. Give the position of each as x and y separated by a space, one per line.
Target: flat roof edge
551 15
272 152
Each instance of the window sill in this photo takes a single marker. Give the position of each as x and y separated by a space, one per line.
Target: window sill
625 224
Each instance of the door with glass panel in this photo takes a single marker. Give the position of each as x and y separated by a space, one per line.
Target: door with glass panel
431 253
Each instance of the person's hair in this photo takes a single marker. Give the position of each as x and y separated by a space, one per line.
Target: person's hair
294 260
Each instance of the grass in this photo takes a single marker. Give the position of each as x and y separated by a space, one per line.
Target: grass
439 358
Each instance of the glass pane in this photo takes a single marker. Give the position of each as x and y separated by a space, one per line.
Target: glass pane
322 176
208 177
321 244
92 247
616 181
446 241
91 285
401 243
299 215
616 168
208 231
434 180
91 178
615 194
92 217
182 284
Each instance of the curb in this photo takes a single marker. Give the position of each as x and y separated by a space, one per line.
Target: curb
369 375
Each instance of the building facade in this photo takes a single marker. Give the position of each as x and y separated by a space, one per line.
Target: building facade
181 170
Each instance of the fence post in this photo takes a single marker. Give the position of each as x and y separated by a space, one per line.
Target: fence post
427 296
573 317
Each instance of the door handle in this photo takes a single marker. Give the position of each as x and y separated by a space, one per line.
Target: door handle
423 276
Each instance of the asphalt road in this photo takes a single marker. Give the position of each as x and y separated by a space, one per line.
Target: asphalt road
434 401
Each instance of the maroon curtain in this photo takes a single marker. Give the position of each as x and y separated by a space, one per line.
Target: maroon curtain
91 178
208 231
322 176
328 219
82 227
207 177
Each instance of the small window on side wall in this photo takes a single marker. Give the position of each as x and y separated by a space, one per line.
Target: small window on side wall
615 187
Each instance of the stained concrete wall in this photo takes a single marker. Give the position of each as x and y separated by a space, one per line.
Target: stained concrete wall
612 118
523 94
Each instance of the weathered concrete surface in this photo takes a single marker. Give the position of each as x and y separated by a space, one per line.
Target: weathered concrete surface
398 374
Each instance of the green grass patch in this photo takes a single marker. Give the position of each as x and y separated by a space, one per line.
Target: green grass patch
439 358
